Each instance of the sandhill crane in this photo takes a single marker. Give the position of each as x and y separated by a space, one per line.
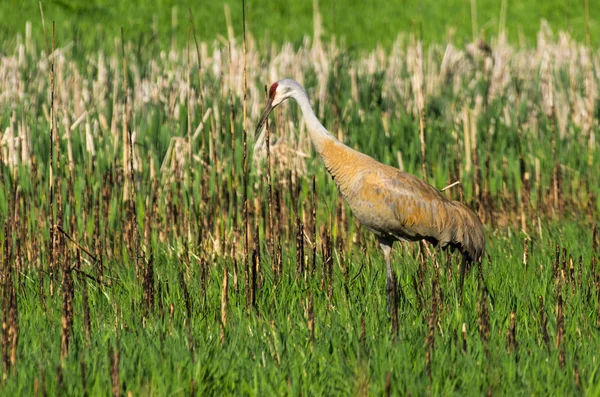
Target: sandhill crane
392 204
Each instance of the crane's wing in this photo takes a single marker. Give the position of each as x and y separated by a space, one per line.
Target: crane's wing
416 210
389 201
396 205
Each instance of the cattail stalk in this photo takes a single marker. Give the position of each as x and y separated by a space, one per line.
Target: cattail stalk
556 267
86 312
418 81
589 86
394 307
224 304
311 321
544 322
67 309
10 323
388 384
484 318
53 234
560 328
245 139
192 208
464 338
60 385
330 274
114 359
279 262
314 227
598 300
511 334
430 339
555 137
525 252
83 375
188 309
125 132
199 63
255 268
299 248
595 240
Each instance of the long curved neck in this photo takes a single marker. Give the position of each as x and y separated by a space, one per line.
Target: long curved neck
340 161
318 134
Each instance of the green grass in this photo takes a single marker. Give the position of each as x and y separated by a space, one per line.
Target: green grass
269 352
363 25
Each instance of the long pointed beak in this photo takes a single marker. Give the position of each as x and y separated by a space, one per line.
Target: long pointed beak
265 115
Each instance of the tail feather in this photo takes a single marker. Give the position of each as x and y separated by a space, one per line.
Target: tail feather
468 234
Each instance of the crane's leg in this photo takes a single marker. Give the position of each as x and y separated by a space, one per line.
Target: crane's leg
463 266
386 248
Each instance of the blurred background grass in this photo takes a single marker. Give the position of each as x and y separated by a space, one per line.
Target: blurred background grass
362 24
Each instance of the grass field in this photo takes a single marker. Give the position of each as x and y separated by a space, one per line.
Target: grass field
93 24
127 265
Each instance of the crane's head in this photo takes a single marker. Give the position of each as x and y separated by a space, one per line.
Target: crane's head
279 92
